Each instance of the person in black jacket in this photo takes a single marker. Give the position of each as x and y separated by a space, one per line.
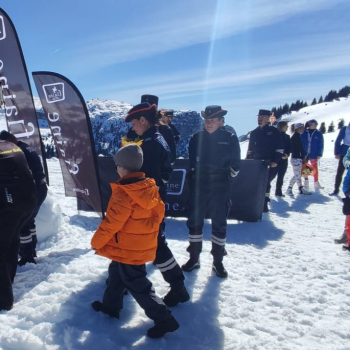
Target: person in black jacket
215 158
282 165
17 203
266 143
167 118
157 165
28 237
298 158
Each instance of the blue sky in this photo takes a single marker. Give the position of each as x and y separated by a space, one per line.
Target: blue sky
243 55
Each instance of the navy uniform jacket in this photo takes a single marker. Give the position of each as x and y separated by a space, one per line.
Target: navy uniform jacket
14 171
286 144
266 143
34 162
214 156
168 135
156 158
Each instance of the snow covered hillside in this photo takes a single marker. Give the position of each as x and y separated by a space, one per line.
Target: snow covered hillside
288 284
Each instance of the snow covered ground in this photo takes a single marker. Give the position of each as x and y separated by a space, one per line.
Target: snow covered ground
288 285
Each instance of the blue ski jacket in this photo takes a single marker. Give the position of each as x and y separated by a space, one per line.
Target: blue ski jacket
312 143
339 147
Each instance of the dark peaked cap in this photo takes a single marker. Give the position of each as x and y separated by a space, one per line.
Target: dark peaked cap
151 99
264 113
142 110
213 112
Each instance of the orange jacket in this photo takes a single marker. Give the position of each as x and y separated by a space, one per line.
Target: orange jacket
129 232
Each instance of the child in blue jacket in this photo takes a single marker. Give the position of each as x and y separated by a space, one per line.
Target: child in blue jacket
313 144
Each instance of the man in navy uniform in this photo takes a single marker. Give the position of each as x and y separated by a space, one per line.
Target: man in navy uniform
28 237
266 143
215 157
157 165
17 203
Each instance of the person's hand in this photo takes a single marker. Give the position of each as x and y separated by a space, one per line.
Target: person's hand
337 156
319 157
273 165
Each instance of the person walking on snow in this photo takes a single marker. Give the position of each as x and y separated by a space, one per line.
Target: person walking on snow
298 158
157 165
313 144
128 236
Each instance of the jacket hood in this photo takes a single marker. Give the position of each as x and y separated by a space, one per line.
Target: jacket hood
144 191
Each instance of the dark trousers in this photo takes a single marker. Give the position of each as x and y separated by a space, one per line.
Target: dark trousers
16 206
28 238
281 171
272 174
133 278
212 200
165 259
166 262
340 173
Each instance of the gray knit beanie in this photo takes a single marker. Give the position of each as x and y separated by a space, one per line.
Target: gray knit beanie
129 157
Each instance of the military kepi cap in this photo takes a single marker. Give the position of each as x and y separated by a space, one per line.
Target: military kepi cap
151 99
213 112
142 110
264 113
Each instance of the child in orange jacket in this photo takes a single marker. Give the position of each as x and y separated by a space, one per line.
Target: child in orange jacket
128 236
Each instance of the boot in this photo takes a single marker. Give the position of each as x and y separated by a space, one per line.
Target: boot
279 193
160 328
303 191
98 306
342 239
318 186
334 193
266 208
306 185
219 269
26 259
346 247
175 296
289 191
191 264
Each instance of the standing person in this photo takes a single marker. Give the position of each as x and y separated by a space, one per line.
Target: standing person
168 135
156 165
222 126
168 115
128 236
341 146
17 203
215 157
282 165
313 145
28 237
298 158
266 143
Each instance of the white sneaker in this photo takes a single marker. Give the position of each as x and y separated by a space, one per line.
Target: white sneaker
289 191
306 185
303 191
318 186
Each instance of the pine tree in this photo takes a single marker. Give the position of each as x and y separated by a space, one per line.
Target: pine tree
314 101
331 127
323 128
320 100
341 123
